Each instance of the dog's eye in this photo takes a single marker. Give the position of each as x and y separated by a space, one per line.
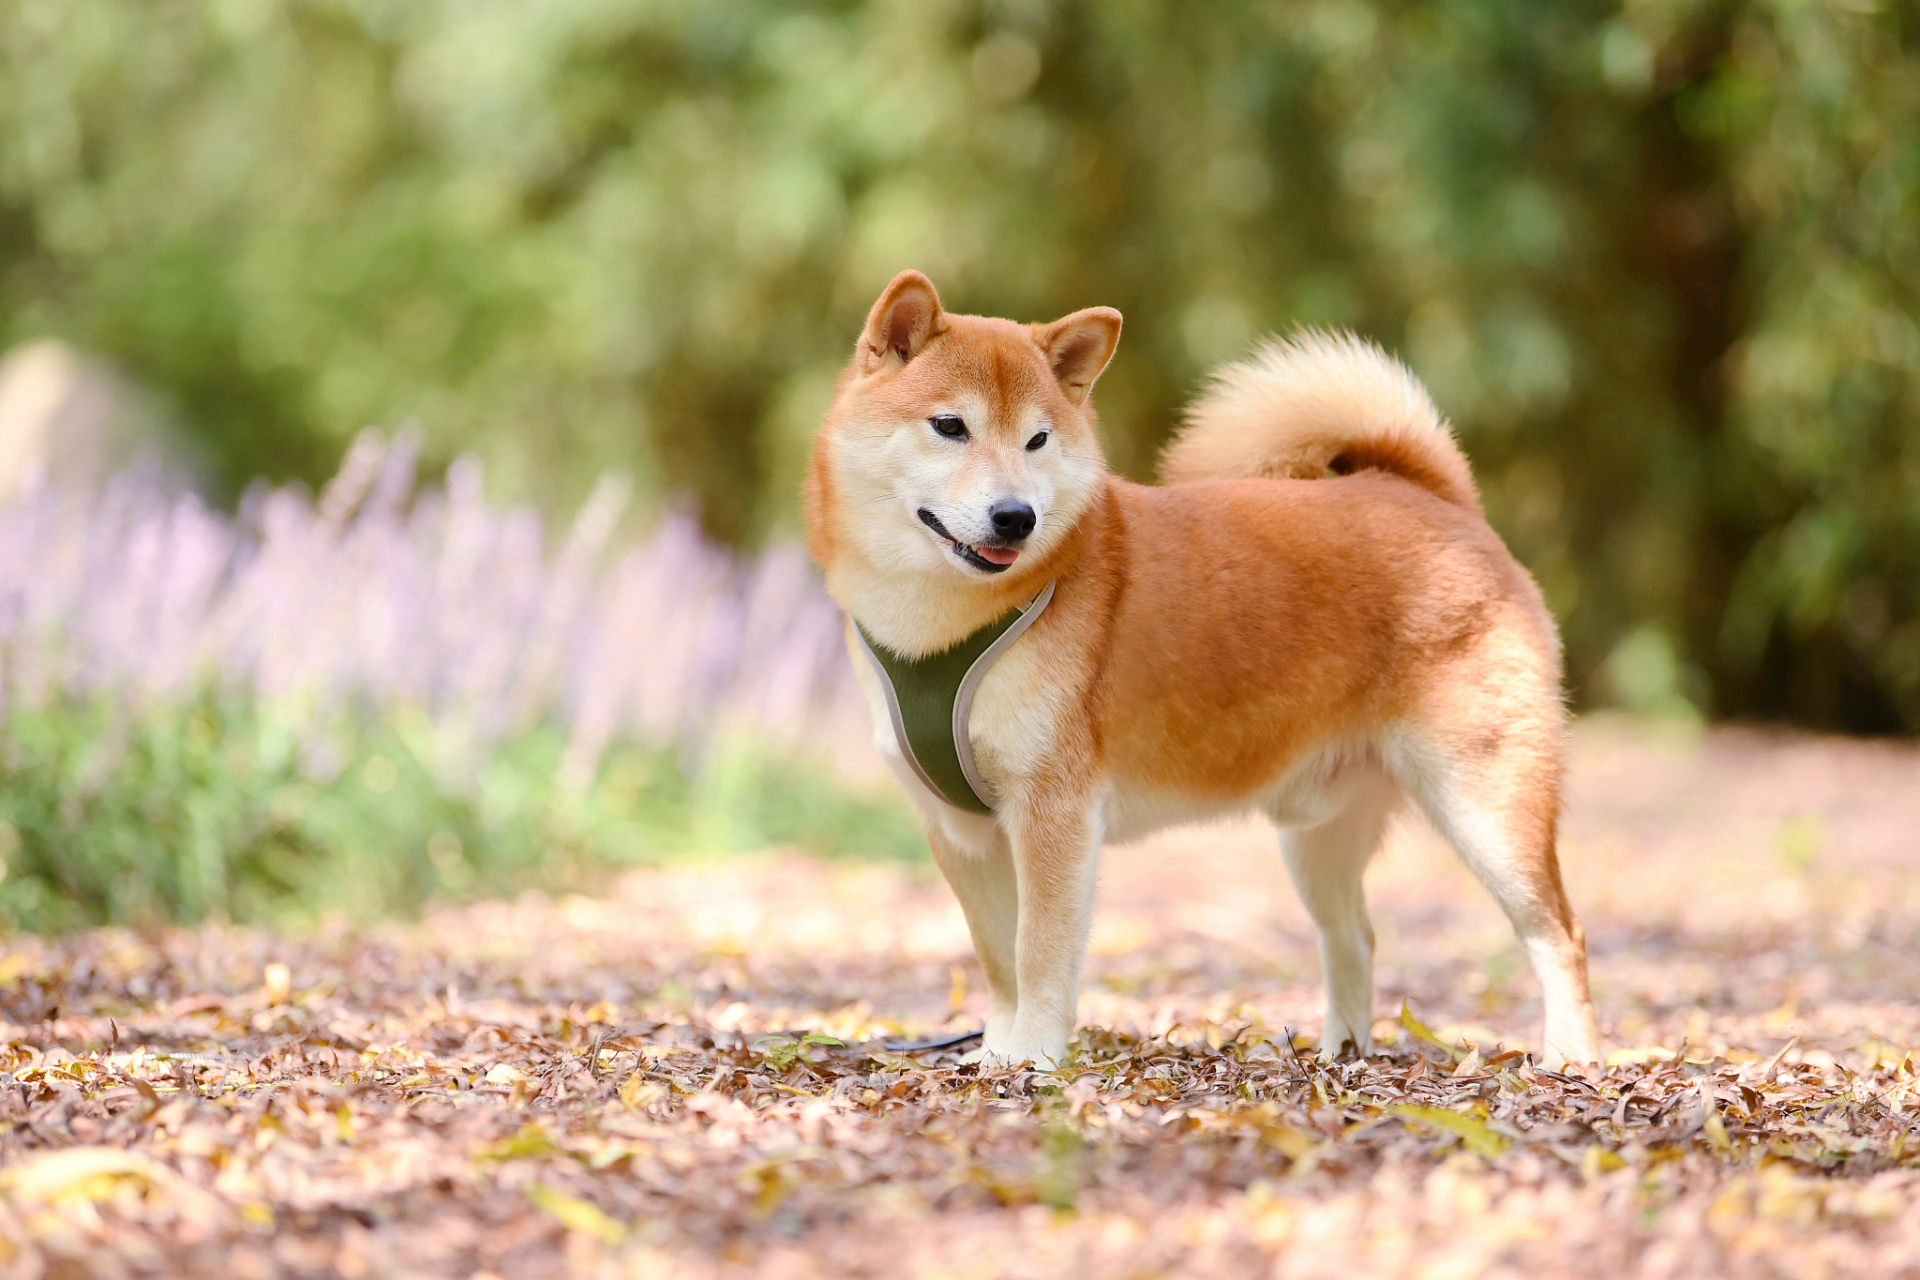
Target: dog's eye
1039 439
949 426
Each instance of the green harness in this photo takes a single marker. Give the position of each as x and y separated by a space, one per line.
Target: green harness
929 700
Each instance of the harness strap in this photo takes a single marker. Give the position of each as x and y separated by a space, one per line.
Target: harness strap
929 700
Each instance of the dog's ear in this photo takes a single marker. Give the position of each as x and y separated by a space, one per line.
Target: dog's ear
907 314
1078 348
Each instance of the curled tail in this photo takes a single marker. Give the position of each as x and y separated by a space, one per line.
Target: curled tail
1317 404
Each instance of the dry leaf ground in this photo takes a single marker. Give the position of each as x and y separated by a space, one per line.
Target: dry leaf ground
614 1087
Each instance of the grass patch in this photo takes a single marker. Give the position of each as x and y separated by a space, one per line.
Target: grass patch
227 807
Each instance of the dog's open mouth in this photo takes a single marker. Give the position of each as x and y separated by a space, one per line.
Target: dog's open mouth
988 559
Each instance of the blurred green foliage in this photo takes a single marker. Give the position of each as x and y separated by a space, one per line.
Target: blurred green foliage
219 808
1659 259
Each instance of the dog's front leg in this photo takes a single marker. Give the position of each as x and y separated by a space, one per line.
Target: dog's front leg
982 877
1056 855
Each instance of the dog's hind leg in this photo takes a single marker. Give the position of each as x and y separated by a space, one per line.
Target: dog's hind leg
1499 807
1327 862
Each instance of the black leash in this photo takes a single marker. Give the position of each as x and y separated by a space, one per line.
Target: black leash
927 1046
918 1046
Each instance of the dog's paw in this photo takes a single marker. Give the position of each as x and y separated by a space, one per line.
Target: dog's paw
1567 1050
1012 1056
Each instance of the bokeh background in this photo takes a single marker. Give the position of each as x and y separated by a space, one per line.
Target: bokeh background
1659 261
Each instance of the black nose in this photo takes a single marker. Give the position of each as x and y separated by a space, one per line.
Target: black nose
1012 520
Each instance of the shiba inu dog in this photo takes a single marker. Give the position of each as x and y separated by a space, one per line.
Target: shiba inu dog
1311 618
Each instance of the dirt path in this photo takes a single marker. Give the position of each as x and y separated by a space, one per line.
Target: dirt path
584 1086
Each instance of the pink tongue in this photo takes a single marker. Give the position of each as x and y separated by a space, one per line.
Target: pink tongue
997 555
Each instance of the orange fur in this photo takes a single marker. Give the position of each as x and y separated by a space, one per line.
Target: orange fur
1318 648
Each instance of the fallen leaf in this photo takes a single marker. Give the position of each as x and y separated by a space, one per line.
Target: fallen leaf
577 1215
1418 1030
1472 1131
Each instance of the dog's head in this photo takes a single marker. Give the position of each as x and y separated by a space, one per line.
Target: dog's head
961 445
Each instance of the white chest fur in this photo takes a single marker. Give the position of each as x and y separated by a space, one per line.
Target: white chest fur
1012 727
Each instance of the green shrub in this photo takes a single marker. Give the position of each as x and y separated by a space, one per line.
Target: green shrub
112 812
